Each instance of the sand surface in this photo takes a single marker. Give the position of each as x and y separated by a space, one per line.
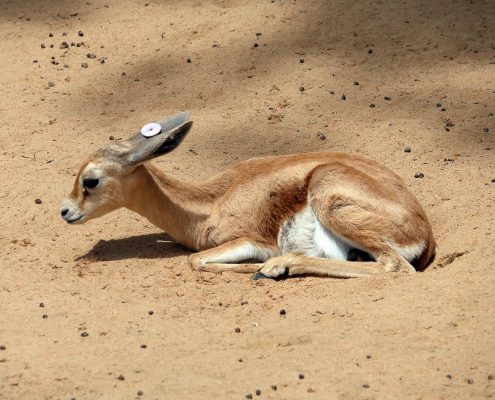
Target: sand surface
264 77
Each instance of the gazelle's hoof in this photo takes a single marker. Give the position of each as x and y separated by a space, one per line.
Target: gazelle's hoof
274 267
258 276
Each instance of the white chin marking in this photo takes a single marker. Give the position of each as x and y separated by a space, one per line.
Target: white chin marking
76 220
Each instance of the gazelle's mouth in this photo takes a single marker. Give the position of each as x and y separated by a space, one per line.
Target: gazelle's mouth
71 221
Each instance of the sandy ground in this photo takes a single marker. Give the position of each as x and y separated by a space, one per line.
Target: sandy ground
264 77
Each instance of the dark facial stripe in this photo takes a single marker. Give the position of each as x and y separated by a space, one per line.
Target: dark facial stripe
76 190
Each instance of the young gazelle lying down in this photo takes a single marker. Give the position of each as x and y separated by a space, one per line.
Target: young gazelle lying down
272 216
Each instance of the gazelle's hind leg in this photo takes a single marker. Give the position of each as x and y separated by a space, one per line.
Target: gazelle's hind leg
227 256
296 264
340 207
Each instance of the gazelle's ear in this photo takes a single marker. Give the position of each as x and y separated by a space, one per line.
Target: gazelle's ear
141 148
166 124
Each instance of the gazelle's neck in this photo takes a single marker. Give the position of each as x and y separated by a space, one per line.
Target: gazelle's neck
176 207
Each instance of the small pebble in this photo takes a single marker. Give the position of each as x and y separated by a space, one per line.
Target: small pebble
448 376
343 97
356 83
372 105
37 201
50 34
237 330
102 61
80 33
42 46
443 109
66 65
51 46
301 376
301 61
189 61
78 44
64 33
419 175
143 346
387 98
486 130
274 387
490 377
121 377
439 105
45 316
150 312
368 356
407 149
493 180
301 89
322 137
111 138
258 392
64 45
366 386
256 45
84 334
84 65
140 393
282 312
370 51
42 305
92 56
249 396
470 381
2 347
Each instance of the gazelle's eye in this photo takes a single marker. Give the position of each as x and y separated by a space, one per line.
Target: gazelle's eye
90 183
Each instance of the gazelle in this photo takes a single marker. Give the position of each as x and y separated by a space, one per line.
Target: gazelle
271 216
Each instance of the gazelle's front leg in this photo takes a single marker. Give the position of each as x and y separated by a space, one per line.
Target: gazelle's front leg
227 256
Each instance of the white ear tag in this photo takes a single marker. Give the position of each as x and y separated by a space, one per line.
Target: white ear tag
151 129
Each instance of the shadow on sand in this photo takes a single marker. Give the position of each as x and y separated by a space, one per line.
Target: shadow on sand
155 245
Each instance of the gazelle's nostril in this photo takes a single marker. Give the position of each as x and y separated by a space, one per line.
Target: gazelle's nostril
64 212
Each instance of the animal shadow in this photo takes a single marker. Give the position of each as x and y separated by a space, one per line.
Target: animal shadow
155 245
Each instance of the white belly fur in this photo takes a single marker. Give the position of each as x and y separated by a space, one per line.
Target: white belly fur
304 234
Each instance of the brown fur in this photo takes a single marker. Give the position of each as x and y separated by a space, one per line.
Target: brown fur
244 207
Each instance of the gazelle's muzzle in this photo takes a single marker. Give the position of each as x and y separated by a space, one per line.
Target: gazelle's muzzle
70 212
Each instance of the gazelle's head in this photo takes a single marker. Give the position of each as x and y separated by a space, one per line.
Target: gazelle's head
104 179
